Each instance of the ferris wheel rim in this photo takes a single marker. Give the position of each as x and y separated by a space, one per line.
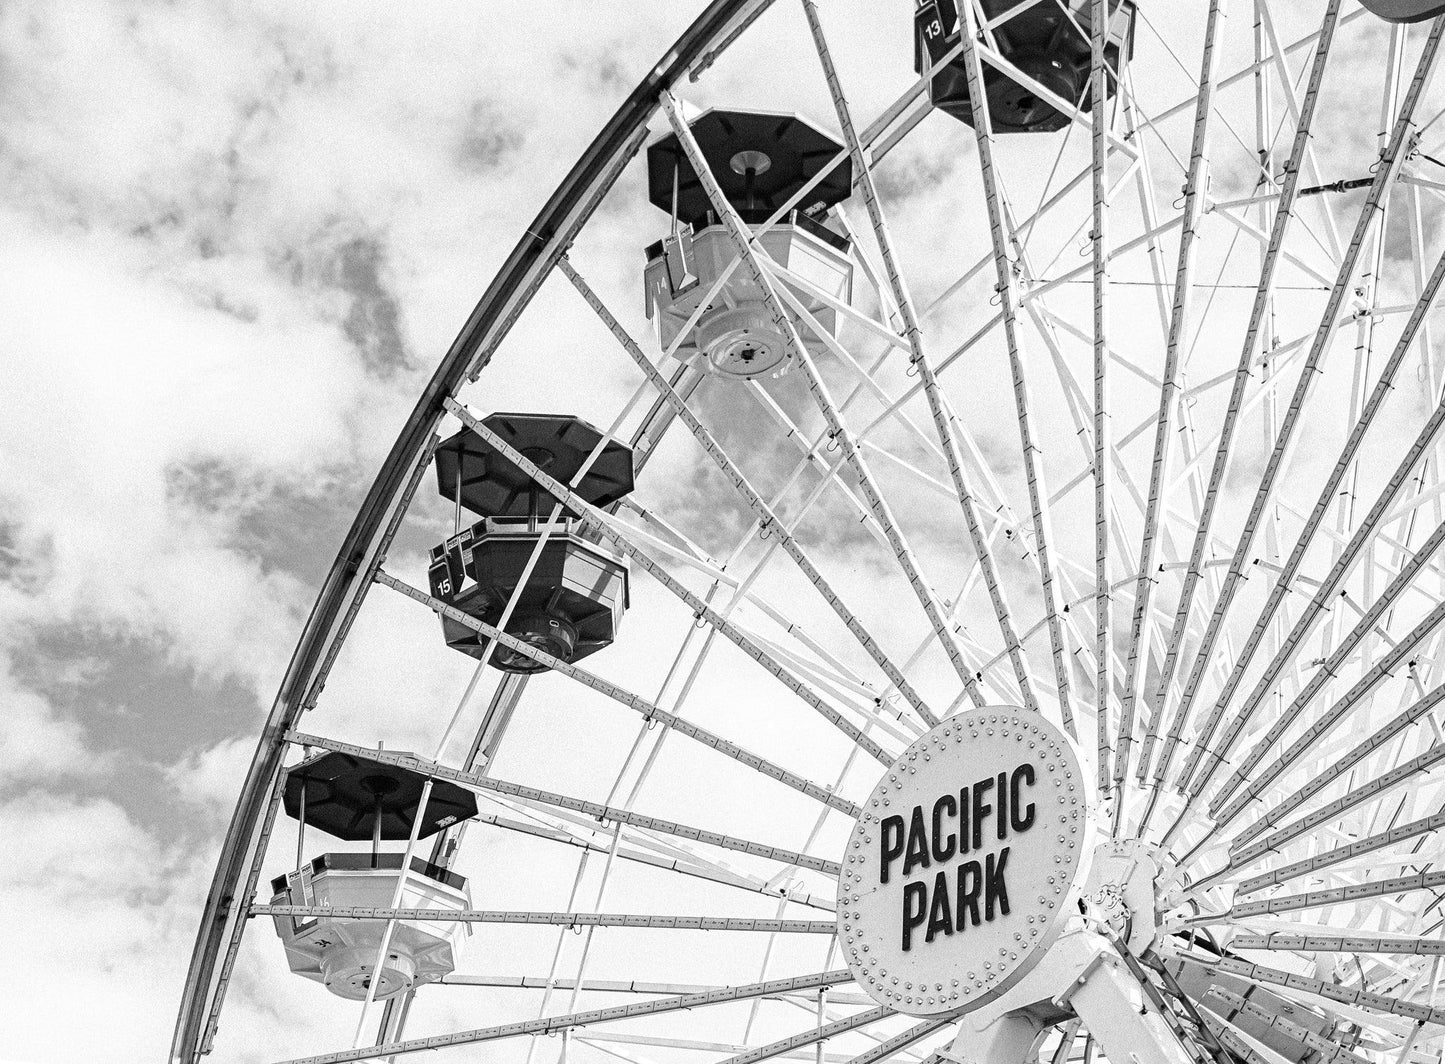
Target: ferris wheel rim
505 297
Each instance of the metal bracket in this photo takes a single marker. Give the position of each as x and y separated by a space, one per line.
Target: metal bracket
1062 999
677 252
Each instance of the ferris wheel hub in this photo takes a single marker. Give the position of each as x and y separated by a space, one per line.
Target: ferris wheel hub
1131 884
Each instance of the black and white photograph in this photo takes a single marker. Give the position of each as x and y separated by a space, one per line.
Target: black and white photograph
722 532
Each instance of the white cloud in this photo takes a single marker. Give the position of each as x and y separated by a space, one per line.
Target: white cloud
89 901
37 746
212 778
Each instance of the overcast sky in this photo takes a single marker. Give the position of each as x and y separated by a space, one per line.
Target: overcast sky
235 239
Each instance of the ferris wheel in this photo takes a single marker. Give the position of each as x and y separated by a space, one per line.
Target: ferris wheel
933 562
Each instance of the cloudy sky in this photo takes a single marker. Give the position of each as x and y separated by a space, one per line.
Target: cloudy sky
236 238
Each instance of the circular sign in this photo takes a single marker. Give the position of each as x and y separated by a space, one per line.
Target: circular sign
956 875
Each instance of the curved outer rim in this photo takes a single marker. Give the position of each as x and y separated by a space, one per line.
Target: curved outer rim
364 546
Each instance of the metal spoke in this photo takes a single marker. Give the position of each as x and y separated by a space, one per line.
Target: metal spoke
1194 186
1103 424
593 518
1262 975
539 982
1342 943
1344 852
1008 301
1328 588
1246 850
548 1024
1240 1004
646 708
943 422
558 919
1222 454
892 1046
1063 106
792 892
831 413
596 810
1314 899
808 1038
711 873
828 670
1327 673
1330 585
1388 162
767 519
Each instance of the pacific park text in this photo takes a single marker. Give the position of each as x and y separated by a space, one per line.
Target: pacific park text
957 824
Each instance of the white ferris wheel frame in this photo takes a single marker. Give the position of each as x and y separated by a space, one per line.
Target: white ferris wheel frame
1178 742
